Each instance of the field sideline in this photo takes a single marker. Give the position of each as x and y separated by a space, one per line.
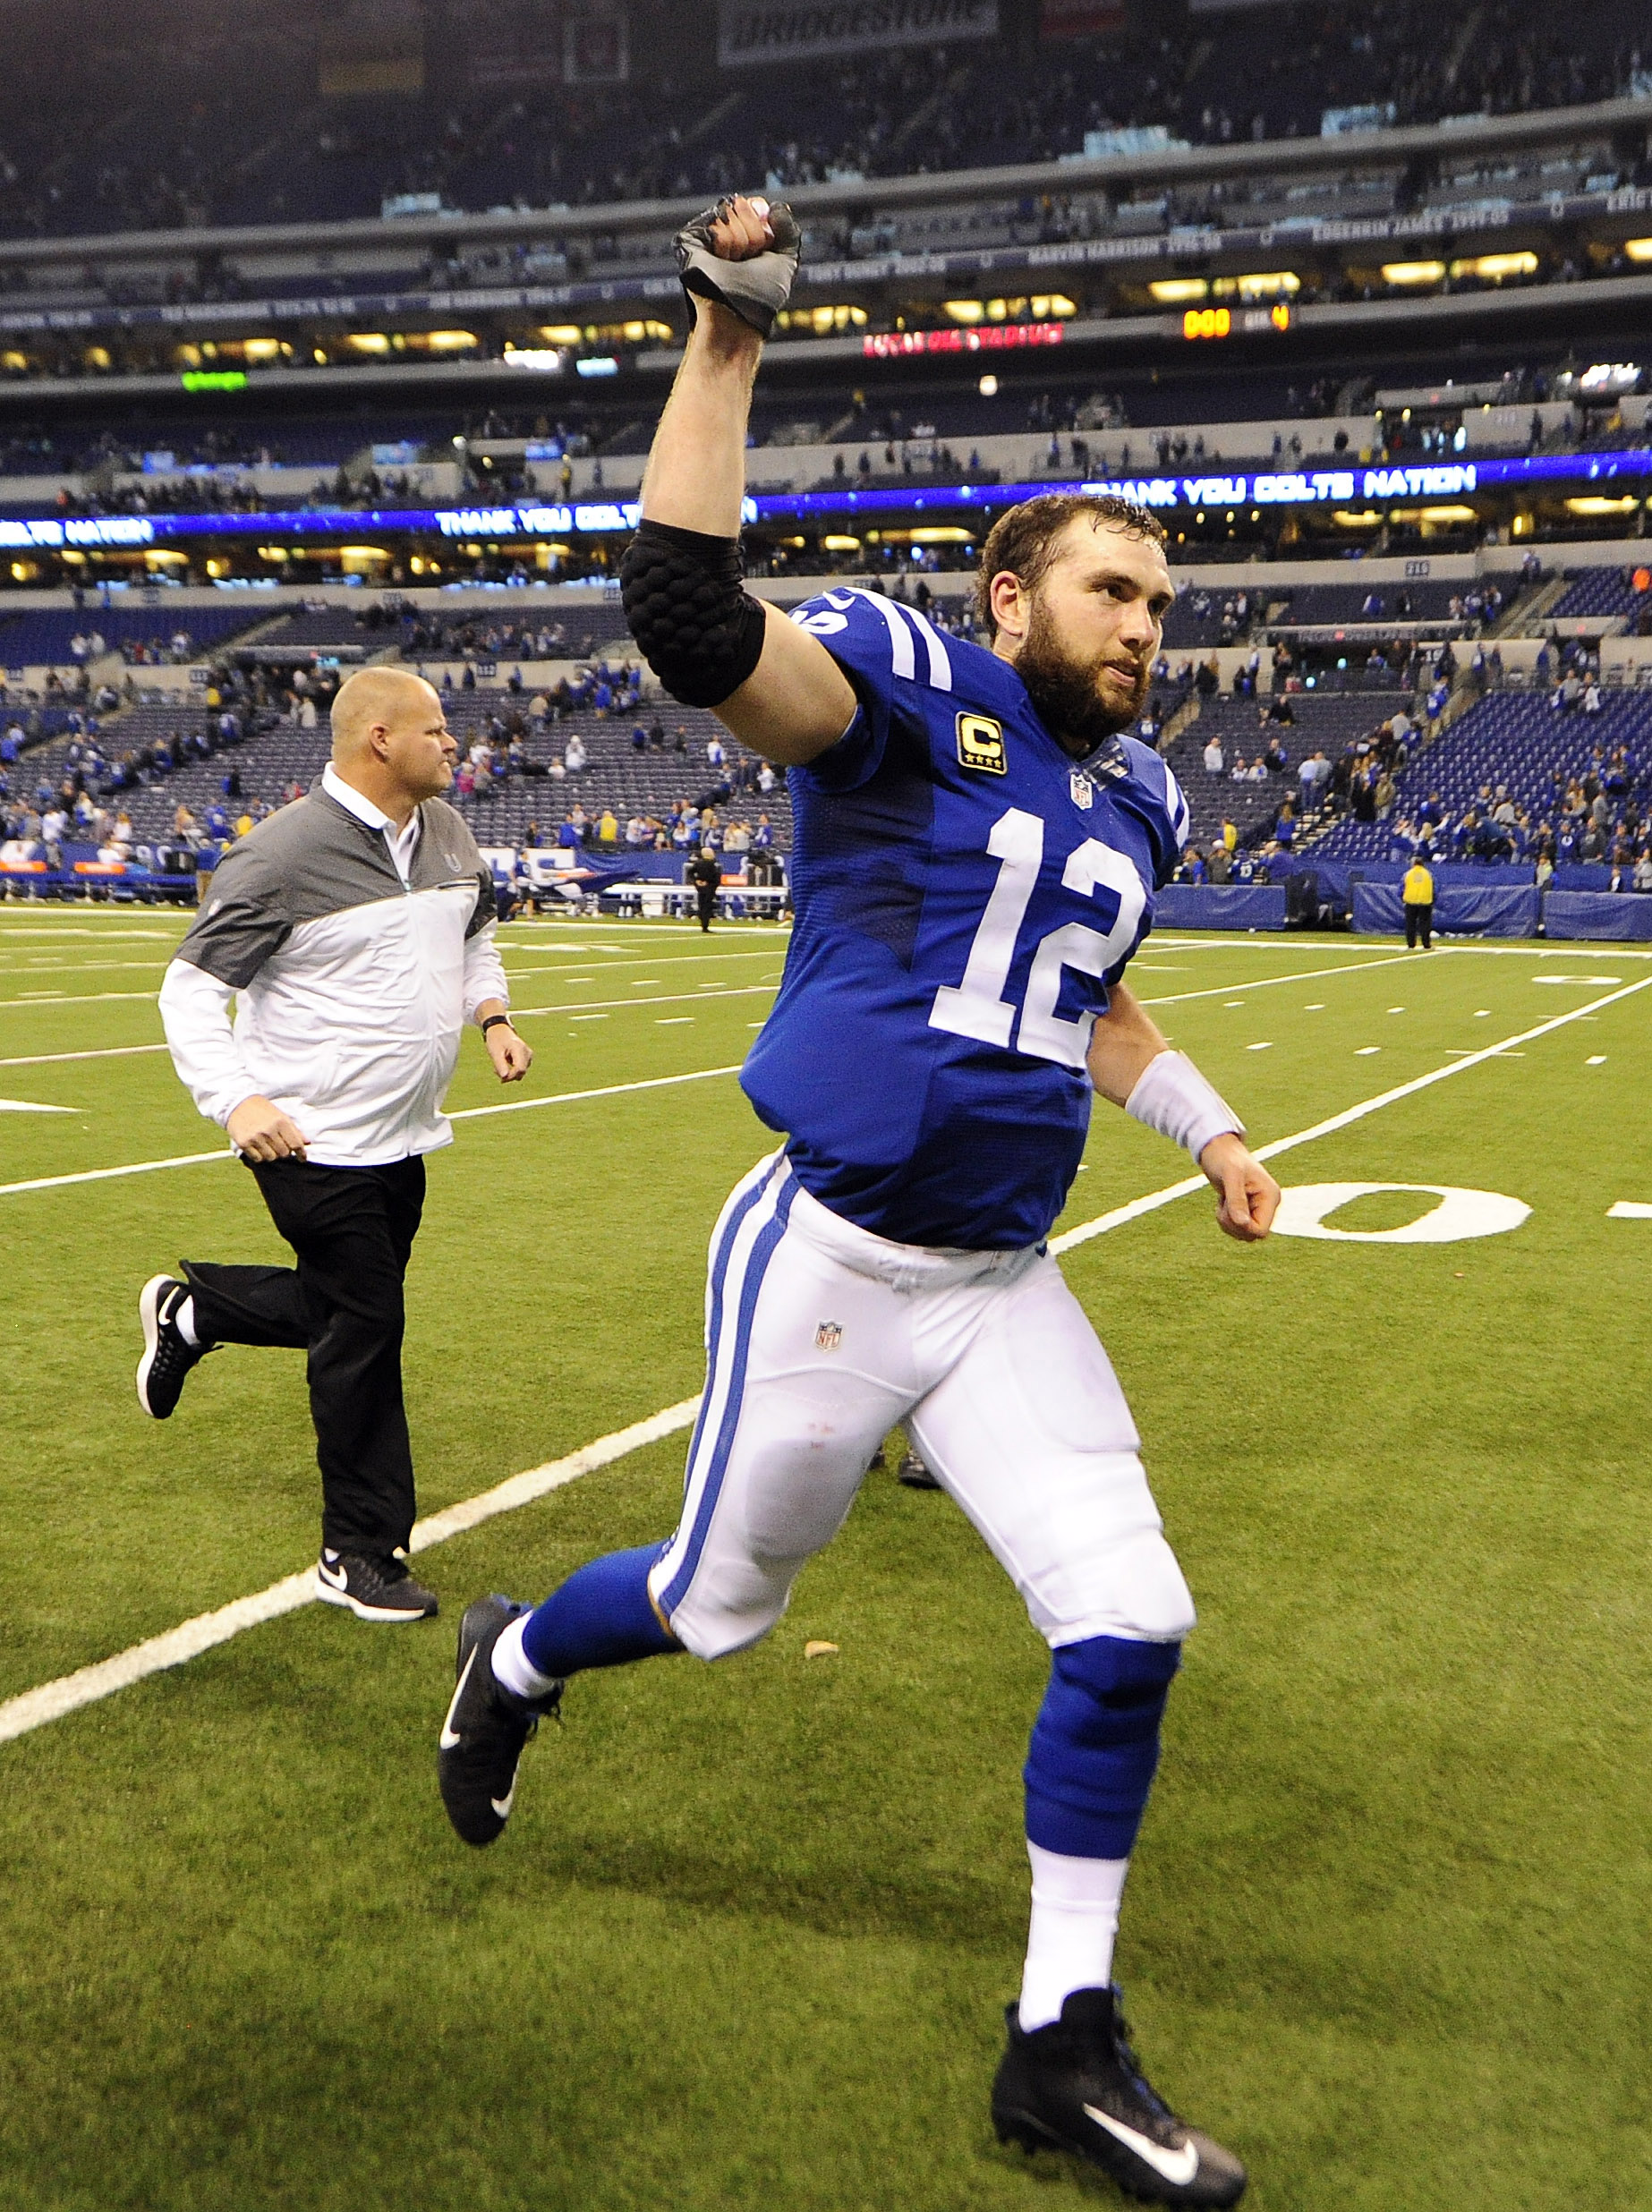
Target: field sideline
1384 1928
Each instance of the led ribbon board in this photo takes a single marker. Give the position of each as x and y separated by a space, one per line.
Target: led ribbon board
534 522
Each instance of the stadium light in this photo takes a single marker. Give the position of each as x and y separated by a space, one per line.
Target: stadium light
988 387
1171 291
1413 272
1495 267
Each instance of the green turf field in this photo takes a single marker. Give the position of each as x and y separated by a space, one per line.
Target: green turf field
747 1940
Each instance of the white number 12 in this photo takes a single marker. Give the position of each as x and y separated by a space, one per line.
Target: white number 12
977 1008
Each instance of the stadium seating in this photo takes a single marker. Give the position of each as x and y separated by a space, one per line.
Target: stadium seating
1325 721
278 754
225 145
1600 591
1326 603
1512 739
41 637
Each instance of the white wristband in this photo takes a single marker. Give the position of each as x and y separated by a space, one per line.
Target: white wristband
1173 1098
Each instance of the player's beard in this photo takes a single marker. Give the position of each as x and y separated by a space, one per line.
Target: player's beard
1067 691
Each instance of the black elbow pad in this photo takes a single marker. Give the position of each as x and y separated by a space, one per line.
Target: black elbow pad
687 608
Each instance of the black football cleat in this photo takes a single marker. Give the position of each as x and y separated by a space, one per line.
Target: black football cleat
168 1356
915 1475
486 1726
374 1588
1076 2086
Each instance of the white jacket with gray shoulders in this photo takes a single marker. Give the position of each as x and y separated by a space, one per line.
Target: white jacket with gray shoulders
355 987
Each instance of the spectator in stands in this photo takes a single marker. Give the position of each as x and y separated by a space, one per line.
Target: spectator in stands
570 837
1643 870
1213 756
608 830
574 757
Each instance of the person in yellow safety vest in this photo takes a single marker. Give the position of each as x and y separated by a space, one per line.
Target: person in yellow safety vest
1417 893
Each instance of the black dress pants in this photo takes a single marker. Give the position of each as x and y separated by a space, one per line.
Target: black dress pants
352 1230
1419 924
706 905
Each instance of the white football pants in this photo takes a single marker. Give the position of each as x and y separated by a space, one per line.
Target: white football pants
820 1337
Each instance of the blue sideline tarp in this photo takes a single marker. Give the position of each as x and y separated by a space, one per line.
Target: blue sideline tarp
1581 875
1379 911
1611 917
1220 907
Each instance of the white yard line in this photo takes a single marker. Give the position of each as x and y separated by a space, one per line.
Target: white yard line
27 1004
67 928
35 1707
674 997
50 1701
1349 1114
107 1051
468 1113
15 975
651 959
1266 982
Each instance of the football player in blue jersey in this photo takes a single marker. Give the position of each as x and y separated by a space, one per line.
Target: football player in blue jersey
975 854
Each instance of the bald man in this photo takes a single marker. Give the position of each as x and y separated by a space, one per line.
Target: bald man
356 929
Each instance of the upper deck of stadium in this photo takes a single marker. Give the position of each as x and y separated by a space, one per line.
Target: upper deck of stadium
265 211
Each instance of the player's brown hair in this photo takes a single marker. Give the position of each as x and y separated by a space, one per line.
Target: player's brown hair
1022 540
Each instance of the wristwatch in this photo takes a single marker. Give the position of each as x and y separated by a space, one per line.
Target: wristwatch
494 1019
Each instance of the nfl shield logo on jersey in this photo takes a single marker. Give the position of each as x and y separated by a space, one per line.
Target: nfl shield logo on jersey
1082 788
829 1336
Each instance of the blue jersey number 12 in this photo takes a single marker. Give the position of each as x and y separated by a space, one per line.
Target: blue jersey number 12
978 1006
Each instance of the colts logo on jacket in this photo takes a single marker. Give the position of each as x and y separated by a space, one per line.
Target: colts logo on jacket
981 744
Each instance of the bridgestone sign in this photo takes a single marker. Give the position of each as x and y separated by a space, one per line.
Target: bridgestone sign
753 31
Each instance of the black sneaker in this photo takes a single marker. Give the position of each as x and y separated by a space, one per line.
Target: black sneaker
379 1588
487 1726
167 1357
1076 2086
915 1475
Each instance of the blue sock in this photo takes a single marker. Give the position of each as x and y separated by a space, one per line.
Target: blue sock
1095 1746
601 1616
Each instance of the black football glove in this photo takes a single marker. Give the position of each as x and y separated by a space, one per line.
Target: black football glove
755 290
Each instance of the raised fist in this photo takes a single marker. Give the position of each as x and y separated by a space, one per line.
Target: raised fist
742 253
740 228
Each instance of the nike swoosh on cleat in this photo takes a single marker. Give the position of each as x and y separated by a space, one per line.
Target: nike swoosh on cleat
502 1806
1179 2166
450 1737
334 1578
